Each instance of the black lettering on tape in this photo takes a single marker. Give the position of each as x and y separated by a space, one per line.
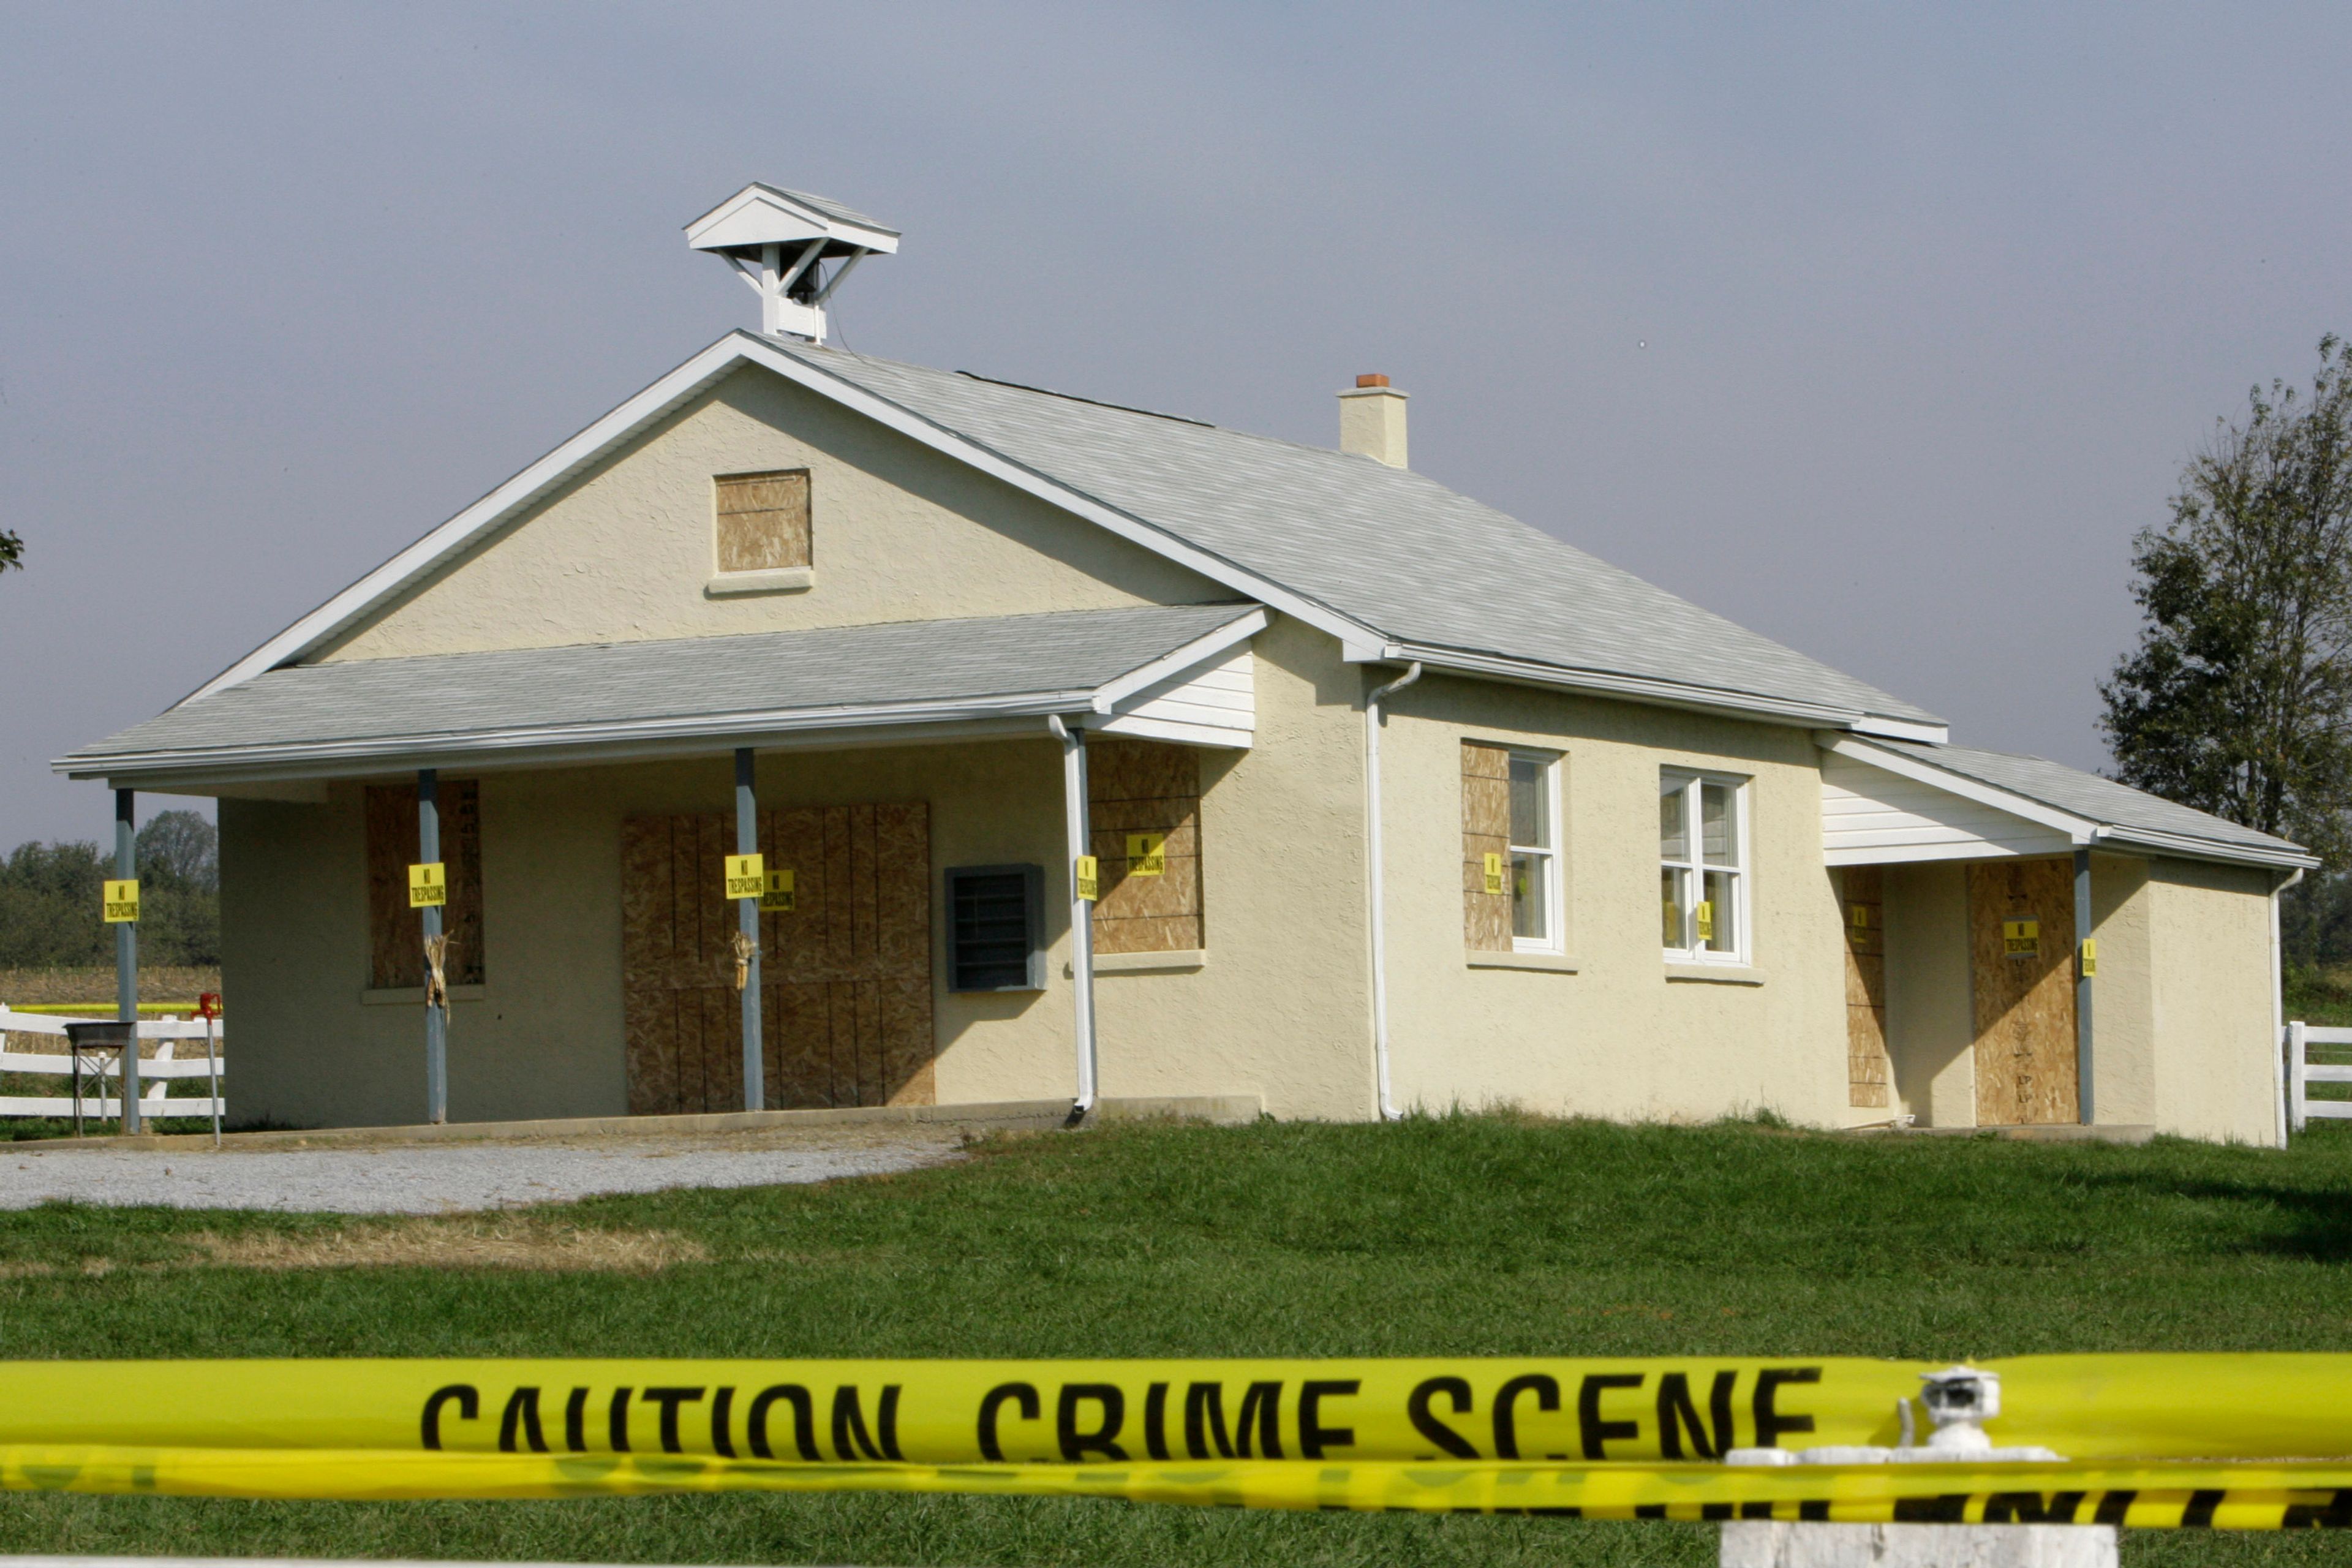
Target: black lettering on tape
2334 1514
520 1419
575 1421
1506 1398
850 1440
1715 1510
1951 1508
1756 1510
1205 1415
1264 1401
1814 1509
755 1421
1022 1393
1314 1437
2199 1514
2113 1506
616 1421
1769 1422
1677 1415
1424 1420
1102 1438
2032 1508
669 1399
1596 1433
1155 1421
469 1407
722 1441
1649 1510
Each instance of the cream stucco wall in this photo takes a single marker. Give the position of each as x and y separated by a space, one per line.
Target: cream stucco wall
1930 1026
2209 947
2122 999
1619 1037
899 533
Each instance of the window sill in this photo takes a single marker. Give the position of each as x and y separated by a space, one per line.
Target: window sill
413 995
1556 963
782 580
1716 974
1180 960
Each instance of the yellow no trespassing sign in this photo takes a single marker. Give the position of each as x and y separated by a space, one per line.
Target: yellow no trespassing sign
121 901
747 877
777 894
428 885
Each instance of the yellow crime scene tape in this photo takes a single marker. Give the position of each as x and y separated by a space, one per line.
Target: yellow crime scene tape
2230 1440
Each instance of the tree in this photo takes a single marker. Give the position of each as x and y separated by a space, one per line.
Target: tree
11 551
2239 699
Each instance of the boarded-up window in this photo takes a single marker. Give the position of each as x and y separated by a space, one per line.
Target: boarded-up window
1865 986
396 931
1486 847
1143 799
763 521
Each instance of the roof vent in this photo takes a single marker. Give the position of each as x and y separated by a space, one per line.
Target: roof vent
781 241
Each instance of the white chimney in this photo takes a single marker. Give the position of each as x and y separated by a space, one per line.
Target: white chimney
780 241
1372 420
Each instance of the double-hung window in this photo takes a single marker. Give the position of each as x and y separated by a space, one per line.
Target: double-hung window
1702 867
1534 853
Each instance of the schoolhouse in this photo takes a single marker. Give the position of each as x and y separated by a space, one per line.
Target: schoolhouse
1090 752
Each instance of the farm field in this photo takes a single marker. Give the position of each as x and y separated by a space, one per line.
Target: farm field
1465 1235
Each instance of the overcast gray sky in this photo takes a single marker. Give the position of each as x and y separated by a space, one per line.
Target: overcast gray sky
1880 329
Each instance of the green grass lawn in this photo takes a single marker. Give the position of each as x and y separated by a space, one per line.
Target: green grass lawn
1464 1236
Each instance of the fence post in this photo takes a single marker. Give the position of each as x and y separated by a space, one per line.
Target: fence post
2297 1060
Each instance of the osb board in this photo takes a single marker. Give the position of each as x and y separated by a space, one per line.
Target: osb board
1144 787
846 983
1485 830
763 521
396 931
1868 1079
2024 1006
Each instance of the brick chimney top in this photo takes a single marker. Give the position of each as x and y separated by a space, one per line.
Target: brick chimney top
1371 381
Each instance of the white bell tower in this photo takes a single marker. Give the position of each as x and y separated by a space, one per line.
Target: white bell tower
782 242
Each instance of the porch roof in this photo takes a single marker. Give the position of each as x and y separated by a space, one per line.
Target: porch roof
364 716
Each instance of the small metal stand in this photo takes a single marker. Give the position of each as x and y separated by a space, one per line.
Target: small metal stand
208 1007
104 1036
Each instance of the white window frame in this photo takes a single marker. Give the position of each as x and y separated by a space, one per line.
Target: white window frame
1695 863
1555 886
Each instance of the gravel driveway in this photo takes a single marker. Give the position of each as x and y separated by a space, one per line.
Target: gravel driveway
452 1177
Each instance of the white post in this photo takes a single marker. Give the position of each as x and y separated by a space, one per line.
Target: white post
212 1070
2297 1061
1082 926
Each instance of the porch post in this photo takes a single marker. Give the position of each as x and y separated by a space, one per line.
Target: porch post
2083 926
747 915
436 1006
126 958
1082 926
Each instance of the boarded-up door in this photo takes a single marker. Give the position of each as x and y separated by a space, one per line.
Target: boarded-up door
2021 950
1867 1072
846 1002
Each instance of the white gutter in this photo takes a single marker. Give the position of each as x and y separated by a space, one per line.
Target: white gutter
1374 858
1082 924
2278 1007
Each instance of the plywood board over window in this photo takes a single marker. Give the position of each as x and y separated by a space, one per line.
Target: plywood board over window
1486 847
845 999
763 521
1867 1077
396 931
2022 969
1142 794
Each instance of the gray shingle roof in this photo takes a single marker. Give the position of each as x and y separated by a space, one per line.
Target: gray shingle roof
1383 547
360 703
2100 800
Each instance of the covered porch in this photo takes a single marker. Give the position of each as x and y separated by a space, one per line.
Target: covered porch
919 794
2031 946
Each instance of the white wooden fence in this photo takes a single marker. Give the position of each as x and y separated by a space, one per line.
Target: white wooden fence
98 1067
2301 1072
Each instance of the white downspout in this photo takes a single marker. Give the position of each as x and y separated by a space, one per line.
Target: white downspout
1082 925
2278 1008
1379 903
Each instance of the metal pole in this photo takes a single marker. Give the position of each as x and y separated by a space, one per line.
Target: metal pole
2084 927
436 1015
126 959
1082 909
747 915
